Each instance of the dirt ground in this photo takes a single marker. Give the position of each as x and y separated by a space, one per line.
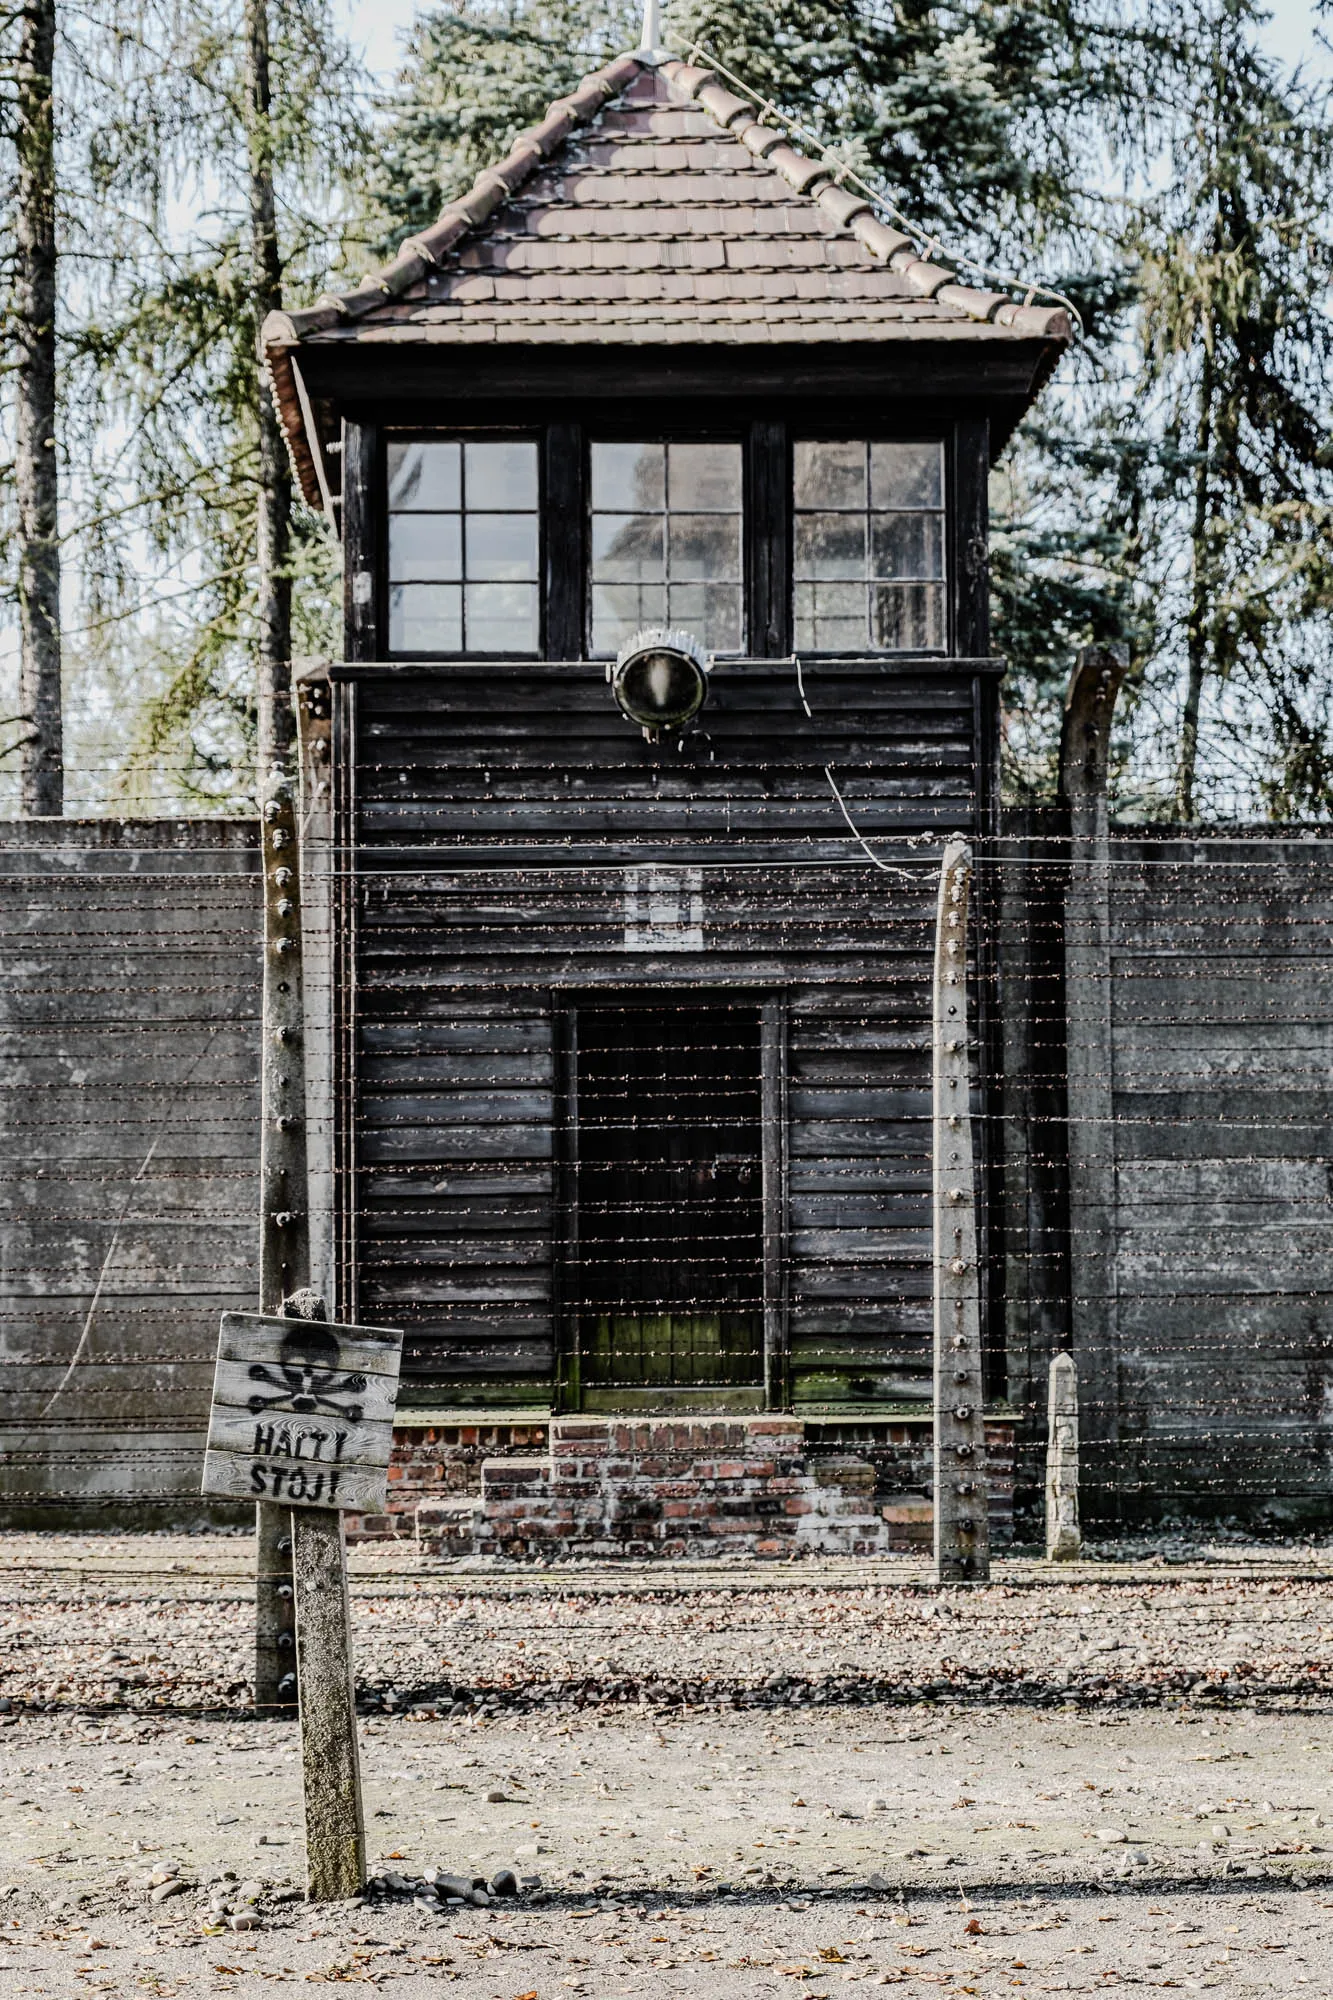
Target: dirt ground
725 1781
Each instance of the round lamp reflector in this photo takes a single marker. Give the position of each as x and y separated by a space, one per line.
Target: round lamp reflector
661 679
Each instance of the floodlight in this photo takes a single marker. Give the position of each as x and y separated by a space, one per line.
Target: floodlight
660 679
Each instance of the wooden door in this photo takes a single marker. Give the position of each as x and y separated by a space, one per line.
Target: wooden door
665 1277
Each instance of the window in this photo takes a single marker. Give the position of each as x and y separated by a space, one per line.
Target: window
463 547
869 547
666 542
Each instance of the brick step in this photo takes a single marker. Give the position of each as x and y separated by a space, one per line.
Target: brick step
448 1527
514 1478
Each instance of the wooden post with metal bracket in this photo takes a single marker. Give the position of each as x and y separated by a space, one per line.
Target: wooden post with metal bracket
962 1529
284 1221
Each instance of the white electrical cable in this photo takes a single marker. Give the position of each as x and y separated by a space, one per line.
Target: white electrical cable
904 874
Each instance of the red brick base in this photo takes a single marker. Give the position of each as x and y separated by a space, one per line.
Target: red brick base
600 1487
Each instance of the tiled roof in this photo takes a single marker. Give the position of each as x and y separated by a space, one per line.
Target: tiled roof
652 207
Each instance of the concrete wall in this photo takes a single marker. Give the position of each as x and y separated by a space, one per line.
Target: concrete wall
1199 1295
1193 1180
130 960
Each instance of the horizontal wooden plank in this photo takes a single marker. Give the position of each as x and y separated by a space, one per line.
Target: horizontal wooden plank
938 803
862 1247
473 1360
460 1180
439 1286
281 1481
378 1146
247 1339
381 1109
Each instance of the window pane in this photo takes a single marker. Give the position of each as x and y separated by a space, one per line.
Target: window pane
704 476
907 544
706 546
425 618
830 545
501 617
906 475
627 477
501 476
873 511
428 547
666 518
619 609
423 476
712 611
831 617
830 475
626 547
907 618
502 546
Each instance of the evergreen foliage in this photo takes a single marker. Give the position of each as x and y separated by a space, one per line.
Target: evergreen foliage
159 385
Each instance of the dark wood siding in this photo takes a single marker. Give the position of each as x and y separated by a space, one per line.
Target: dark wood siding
500 815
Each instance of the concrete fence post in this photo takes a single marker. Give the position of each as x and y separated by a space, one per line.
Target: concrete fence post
1094 1318
1064 1539
962 1526
284 1212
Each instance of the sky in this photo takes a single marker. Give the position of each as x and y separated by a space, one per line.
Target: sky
377 28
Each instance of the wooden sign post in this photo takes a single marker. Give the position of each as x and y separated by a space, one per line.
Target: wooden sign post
302 1419
962 1529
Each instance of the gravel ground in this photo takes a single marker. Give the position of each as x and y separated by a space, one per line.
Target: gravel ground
726 1781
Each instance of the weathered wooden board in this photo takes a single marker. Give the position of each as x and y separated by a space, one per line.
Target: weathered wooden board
470 959
302 1412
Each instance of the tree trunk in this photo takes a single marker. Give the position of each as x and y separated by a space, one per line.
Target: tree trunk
36 473
273 522
1200 584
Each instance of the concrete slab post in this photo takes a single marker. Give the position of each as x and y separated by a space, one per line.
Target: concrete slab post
284 1219
962 1527
1064 1539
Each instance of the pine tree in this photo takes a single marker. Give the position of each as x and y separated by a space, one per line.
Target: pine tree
273 593
1237 261
36 465
162 404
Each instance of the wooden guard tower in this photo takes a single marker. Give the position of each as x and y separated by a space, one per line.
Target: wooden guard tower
624 1030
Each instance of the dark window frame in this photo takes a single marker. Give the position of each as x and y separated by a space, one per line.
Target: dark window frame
594 434
391 434
564 435
868 434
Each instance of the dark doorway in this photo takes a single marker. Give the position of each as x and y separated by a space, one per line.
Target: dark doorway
666 1268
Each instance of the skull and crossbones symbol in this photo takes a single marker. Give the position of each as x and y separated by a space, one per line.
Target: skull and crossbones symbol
307 1379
